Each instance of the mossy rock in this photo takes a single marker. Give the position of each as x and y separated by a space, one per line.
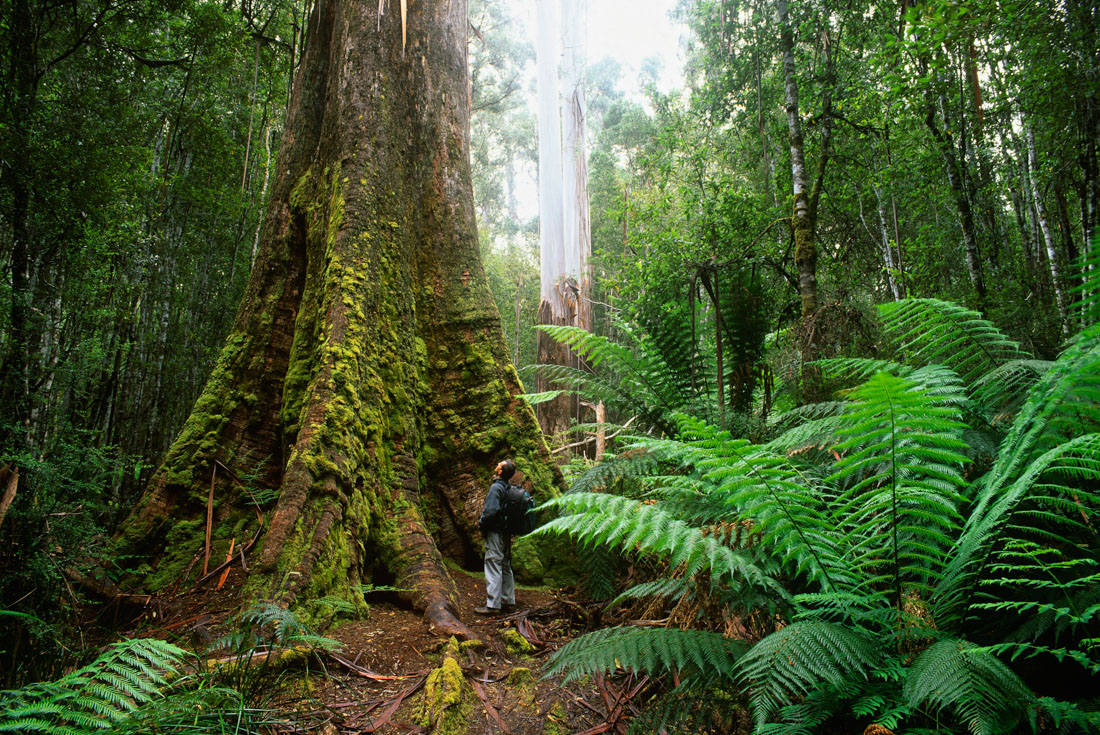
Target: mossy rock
521 676
445 706
522 682
517 644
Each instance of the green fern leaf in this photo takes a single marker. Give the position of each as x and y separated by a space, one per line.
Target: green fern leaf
960 676
930 331
648 650
790 663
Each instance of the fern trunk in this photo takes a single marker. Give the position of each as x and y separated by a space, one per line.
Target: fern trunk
366 377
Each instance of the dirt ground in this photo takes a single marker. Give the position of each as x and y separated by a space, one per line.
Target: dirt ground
382 679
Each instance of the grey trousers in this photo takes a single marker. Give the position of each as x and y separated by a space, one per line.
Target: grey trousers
500 588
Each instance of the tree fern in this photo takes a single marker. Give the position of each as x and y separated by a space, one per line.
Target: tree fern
930 331
795 660
997 518
638 381
98 696
901 472
599 519
706 655
985 694
1004 388
1061 405
895 561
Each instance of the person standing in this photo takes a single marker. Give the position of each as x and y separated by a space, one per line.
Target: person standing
500 587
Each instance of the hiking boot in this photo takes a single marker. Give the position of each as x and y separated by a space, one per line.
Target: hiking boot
484 610
508 608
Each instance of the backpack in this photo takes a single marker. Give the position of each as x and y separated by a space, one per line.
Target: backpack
518 511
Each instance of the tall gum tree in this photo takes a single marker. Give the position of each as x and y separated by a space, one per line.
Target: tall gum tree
564 234
366 377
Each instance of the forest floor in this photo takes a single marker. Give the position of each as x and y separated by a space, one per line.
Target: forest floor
390 675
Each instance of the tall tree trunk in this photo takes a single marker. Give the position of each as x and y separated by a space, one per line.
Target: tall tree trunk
556 305
955 182
578 241
21 98
805 253
1048 239
366 376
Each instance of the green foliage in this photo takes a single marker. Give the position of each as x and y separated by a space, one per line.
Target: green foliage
982 690
135 686
916 594
694 653
267 632
930 331
66 497
597 519
97 696
800 658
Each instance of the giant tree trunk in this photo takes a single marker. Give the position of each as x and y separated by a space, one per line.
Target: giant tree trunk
366 377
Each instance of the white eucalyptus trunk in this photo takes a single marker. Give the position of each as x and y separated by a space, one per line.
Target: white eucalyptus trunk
1044 227
578 242
554 265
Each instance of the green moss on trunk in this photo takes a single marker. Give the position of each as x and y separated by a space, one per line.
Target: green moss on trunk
367 365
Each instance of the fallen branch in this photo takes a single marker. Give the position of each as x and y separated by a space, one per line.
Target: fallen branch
527 630
209 521
367 673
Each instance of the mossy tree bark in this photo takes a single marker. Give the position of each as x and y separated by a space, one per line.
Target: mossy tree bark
366 377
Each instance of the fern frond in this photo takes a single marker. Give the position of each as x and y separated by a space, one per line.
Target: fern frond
790 663
1003 389
667 587
991 524
599 519
535 399
810 437
1063 404
860 368
955 674
617 471
930 331
601 569
643 381
785 508
648 650
901 463
102 694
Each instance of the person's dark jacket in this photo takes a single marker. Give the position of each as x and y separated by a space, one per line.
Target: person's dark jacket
492 516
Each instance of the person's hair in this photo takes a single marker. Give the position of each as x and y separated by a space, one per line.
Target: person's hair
506 469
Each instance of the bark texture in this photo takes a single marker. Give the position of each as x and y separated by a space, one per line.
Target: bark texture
366 377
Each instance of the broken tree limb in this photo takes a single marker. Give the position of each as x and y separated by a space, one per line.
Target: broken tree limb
381 722
225 565
367 673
